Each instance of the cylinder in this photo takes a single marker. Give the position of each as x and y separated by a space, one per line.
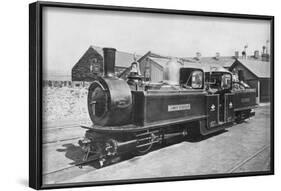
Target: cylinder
127 146
109 61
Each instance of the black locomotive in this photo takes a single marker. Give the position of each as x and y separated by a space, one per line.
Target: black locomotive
130 116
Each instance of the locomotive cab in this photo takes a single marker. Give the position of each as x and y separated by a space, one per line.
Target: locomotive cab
220 83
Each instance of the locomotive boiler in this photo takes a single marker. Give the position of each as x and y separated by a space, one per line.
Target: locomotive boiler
130 116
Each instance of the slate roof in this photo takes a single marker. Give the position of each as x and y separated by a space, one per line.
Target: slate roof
206 67
207 64
259 68
224 61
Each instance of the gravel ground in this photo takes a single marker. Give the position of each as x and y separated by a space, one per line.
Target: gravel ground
64 103
218 153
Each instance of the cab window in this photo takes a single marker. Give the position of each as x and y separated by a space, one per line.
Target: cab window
191 78
219 81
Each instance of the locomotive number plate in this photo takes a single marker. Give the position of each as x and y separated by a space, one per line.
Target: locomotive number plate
178 107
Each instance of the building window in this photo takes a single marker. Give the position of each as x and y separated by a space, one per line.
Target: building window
94 65
91 67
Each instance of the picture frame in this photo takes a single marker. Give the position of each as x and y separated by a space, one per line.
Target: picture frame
36 93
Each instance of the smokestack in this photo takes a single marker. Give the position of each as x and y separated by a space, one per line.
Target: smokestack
109 61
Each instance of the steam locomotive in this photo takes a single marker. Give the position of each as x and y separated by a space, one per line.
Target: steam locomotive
132 115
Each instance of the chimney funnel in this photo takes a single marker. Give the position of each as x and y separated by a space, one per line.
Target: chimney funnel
109 61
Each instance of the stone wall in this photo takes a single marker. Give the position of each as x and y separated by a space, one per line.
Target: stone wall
88 67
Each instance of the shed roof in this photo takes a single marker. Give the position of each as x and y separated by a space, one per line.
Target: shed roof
206 67
207 64
260 68
224 61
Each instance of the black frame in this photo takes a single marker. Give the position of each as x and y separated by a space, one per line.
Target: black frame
35 91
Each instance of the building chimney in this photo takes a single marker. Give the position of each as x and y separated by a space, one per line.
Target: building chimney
265 55
263 49
244 52
109 61
256 54
244 55
236 54
217 55
198 56
267 50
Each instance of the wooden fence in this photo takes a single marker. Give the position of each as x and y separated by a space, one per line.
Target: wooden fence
70 84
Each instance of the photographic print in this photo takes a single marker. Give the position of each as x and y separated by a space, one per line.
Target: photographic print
127 95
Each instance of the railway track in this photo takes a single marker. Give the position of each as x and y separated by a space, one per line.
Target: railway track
75 168
69 126
66 125
248 159
65 174
79 164
61 133
62 140
71 171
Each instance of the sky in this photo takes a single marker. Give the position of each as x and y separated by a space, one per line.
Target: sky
68 33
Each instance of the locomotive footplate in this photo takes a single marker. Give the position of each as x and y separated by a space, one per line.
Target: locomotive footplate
136 128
